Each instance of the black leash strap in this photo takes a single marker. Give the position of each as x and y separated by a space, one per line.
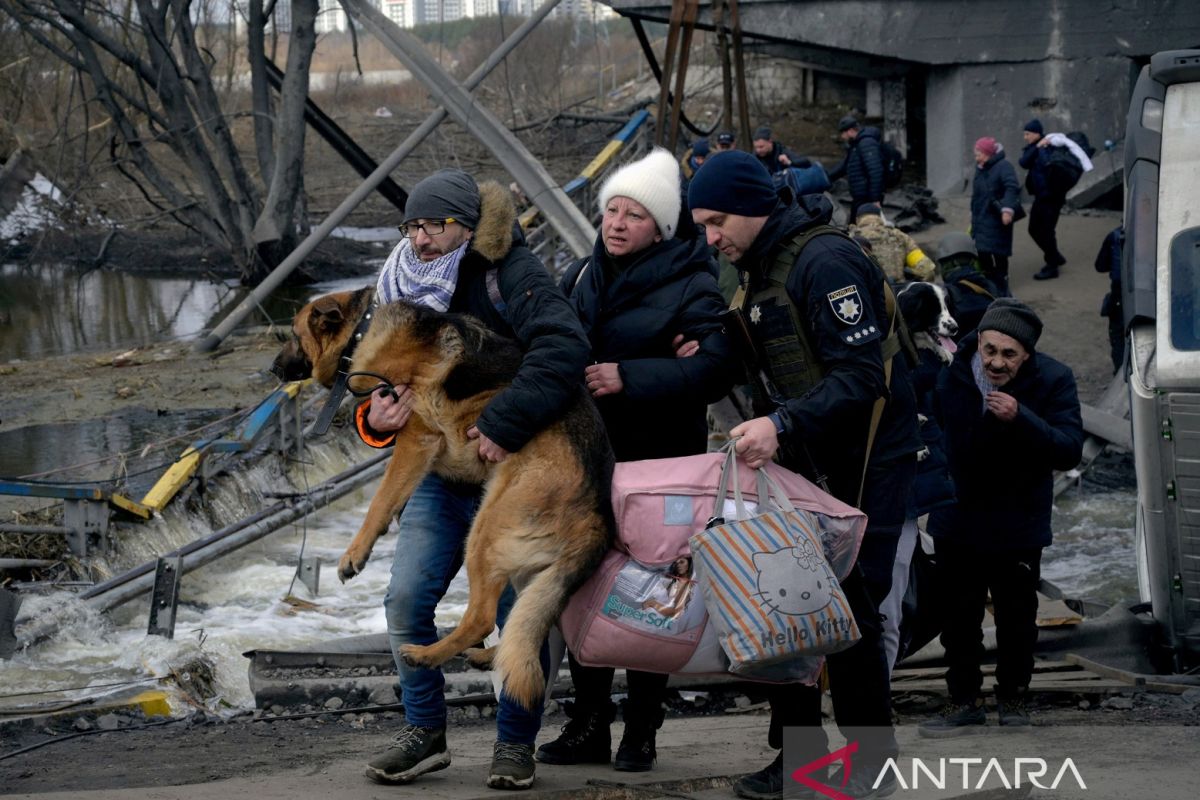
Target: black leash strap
338 391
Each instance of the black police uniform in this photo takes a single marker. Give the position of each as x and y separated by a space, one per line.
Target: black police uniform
837 294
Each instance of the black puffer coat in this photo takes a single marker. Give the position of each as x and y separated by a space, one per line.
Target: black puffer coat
1004 471
631 319
863 167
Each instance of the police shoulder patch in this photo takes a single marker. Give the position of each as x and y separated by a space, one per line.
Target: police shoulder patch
846 304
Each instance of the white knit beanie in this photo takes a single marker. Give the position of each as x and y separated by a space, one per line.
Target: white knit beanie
652 181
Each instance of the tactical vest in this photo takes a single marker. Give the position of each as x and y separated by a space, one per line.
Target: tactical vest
779 326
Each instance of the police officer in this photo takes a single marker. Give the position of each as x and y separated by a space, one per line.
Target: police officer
814 305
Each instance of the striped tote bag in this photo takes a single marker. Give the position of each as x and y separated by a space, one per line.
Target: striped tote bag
766 582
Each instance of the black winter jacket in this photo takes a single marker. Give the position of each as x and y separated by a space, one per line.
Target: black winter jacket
630 319
529 309
995 188
1004 471
772 163
863 167
1033 159
832 418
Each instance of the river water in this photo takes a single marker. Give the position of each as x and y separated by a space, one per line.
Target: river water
237 604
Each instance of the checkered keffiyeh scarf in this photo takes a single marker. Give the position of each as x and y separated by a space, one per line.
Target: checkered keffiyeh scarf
427 283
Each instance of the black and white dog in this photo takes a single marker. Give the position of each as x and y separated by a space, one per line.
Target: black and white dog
923 306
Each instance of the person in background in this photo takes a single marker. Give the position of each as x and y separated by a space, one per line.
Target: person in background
647 294
459 254
726 141
901 258
1011 416
1047 203
863 164
770 153
819 301
968 291
1109 260
694 157
995 204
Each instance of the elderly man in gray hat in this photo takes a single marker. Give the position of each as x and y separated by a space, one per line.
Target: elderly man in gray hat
1011 417
461 251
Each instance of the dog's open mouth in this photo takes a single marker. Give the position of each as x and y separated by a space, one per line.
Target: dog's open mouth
948 343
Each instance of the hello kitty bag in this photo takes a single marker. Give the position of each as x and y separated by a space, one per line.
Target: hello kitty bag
770 579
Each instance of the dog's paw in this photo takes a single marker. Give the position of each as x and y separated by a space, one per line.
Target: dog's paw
480 657
350 565
416 655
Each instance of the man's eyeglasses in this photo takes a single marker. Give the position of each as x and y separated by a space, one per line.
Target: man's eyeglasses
432 228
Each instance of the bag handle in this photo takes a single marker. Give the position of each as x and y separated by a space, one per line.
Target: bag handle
728 469
770 493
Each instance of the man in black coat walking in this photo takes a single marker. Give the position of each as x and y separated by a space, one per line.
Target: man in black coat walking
815 308
1011 417
1047 203
863 164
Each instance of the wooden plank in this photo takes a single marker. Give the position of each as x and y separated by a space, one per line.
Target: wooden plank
132 506
174 479
1132 679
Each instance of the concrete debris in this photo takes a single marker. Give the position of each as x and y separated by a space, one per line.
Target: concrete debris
334 703
108 722
1118 703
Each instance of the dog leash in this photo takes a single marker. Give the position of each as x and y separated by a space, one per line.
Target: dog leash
338 391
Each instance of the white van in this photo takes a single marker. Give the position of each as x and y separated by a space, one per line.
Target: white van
1160 279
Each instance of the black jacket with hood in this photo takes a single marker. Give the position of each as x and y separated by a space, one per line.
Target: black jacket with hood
631 310
863 167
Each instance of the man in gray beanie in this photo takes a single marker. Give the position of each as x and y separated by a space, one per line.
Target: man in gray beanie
460 253
1010 416
836 404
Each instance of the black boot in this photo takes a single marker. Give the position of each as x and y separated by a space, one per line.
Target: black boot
636 752
585 739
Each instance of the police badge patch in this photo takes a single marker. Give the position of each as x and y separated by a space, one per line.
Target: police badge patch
846 304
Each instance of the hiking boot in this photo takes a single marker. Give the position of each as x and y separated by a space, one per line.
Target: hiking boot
512 766
957 719
636 753
766 784
1013 711
1046 273
413 752
585 739
861 785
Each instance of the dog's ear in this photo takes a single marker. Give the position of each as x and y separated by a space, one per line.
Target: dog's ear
326 316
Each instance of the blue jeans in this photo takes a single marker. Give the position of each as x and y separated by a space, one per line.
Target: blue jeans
429 552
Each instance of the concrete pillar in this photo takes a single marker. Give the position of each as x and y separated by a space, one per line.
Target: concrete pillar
946 154
895 113
874 99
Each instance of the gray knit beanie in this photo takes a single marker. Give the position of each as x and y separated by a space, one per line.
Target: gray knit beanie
446 194
1012 317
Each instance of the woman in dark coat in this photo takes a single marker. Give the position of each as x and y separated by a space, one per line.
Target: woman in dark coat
995 204
649 303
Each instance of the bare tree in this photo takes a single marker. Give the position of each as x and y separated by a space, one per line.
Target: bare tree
153 75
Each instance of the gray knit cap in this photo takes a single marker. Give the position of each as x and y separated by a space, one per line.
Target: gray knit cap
1012 317
446 194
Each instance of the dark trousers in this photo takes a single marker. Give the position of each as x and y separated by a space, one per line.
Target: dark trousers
995 267
860 676
1043 218
1116 328
967 575
593 690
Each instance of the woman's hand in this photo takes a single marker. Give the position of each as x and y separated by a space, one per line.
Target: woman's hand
1006 217
603 379
685 349
757 443
390 409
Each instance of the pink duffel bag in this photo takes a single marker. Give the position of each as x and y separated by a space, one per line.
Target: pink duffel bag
642 609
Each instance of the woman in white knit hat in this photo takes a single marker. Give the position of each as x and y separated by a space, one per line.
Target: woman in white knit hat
648 300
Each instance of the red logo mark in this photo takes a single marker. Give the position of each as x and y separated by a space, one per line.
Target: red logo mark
801 775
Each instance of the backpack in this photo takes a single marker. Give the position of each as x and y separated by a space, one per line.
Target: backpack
811 179
1080 138
893 164
1062 170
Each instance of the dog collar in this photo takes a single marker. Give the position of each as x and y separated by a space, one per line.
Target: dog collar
342 380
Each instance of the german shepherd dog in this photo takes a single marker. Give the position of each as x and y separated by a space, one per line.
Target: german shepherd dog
546 518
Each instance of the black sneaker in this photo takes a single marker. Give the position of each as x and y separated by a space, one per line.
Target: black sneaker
1013 711
1046 273
955 720
585 739
413 752
861 785
766 784
636 753
512 766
